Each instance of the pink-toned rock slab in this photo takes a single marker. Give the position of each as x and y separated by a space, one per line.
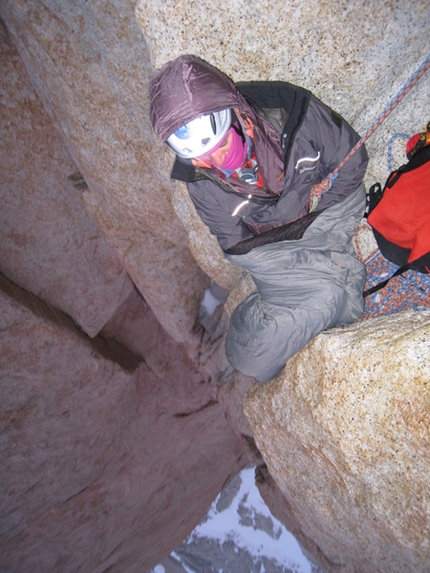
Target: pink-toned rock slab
90 67
49 244
102 469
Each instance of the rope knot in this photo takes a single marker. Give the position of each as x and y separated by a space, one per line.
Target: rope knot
316 192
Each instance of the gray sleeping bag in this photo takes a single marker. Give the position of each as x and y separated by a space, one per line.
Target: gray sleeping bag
303 287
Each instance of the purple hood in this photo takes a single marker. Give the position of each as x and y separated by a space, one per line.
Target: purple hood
186 88
189 87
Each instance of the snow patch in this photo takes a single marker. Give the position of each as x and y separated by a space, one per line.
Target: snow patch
272 541
240 535
209 302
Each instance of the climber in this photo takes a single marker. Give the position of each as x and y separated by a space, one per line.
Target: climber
250 154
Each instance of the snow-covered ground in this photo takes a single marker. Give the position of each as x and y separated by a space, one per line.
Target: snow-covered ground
238 535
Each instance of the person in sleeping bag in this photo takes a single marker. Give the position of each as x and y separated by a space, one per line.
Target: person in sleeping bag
250 154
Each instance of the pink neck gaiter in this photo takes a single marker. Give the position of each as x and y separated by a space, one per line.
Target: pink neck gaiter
236 154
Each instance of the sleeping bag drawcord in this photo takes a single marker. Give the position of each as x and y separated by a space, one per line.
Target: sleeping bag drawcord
320 188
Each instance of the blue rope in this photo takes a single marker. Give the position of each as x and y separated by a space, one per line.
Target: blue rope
318 190
332 180
399 95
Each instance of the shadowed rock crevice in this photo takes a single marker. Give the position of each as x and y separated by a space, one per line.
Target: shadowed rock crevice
192 413
107 348
88 445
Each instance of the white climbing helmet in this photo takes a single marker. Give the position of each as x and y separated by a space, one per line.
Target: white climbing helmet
201 135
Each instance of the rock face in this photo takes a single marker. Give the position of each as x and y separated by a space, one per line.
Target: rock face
90 68
344 431
108 460
49 244
114 446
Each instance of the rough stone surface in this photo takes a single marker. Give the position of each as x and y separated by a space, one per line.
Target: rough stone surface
90 67
344 431
355 56
231 395
49 244
102 468
90 64
108 459
281 509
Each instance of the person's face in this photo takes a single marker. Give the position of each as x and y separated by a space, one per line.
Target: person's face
218 156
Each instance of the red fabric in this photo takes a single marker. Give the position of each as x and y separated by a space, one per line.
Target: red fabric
403 214
417 142
412 142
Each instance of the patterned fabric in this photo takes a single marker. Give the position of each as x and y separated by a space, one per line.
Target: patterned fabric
410 290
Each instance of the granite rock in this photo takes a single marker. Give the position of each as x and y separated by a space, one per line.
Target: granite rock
344 431
49 244
89 65
109 468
